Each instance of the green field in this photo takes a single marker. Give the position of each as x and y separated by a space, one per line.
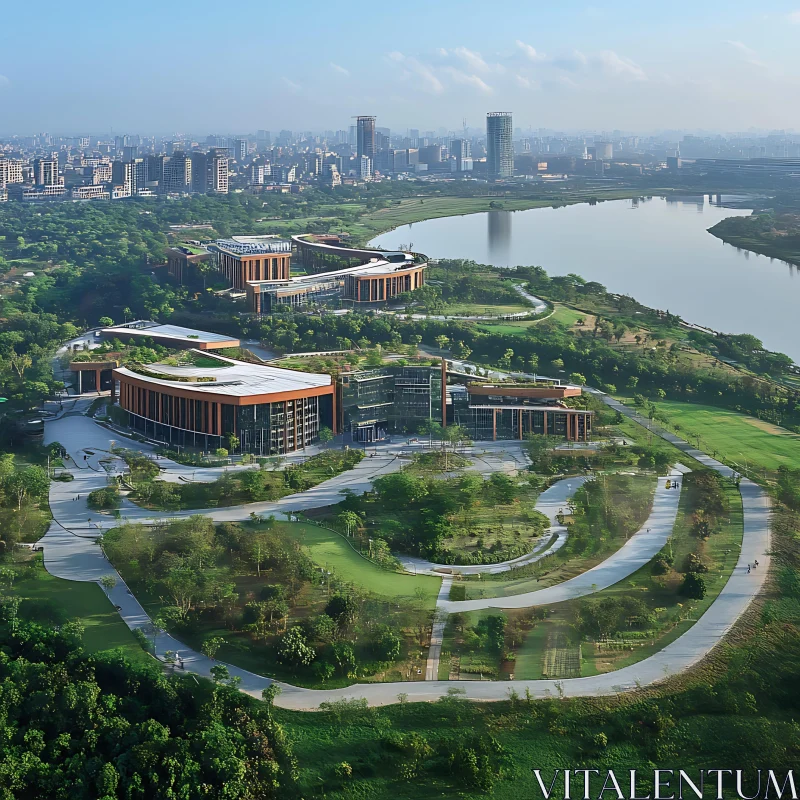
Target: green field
331 550
477 309
735 438
423 208
58 601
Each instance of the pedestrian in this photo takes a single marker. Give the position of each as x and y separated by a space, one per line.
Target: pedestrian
748 569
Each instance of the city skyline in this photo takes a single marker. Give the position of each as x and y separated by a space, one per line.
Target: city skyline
718 67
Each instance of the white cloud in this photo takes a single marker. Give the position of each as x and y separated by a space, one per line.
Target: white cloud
794 17
619 66
339 69
469 80
413 68
529 51
749 55
291 85
525 83
472 59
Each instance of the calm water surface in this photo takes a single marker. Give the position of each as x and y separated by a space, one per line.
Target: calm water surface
658 251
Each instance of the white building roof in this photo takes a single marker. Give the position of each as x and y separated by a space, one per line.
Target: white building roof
233 378
153 329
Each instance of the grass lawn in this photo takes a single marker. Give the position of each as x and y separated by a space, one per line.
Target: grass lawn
736 438
477 309
530 655
417 209
55 600
330 550
562 316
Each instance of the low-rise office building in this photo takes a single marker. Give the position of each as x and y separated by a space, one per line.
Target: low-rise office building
173 336
268 409
253 258
377 281
398 399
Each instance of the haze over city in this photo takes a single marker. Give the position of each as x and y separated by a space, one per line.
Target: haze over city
573 65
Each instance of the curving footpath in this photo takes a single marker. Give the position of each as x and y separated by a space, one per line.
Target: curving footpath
635 553
78 558
551 501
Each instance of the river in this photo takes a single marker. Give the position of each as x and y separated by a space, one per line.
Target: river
656 250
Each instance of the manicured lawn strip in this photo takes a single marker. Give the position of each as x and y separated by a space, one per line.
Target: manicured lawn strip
530 655
478 309
56 600
736 438
242 487
331 551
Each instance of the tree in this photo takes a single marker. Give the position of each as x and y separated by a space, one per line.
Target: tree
387 644
430 428
233 442
325 435
577 378
220 673
106 322
269 695
30 482
211 646
505 361
108 582
221 452
442 341
350 521
294 649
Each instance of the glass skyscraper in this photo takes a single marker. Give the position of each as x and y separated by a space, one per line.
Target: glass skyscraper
499 150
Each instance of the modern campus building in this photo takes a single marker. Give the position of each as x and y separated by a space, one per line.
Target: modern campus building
270 410
260 266
173 336
499 147
397 399
253 258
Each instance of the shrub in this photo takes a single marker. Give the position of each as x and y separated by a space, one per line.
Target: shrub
106 498
693 586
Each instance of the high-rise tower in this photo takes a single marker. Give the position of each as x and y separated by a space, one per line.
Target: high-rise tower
499 149
365 138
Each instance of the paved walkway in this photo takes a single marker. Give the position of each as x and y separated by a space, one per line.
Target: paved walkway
78 558
550 503
437 632
635 553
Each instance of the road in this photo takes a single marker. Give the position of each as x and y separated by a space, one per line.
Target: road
77 558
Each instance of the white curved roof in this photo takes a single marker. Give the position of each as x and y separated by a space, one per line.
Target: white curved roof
233 378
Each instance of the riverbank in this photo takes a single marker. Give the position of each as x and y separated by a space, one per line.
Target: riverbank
422 209
762 234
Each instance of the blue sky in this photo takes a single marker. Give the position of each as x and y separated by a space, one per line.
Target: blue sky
178 66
